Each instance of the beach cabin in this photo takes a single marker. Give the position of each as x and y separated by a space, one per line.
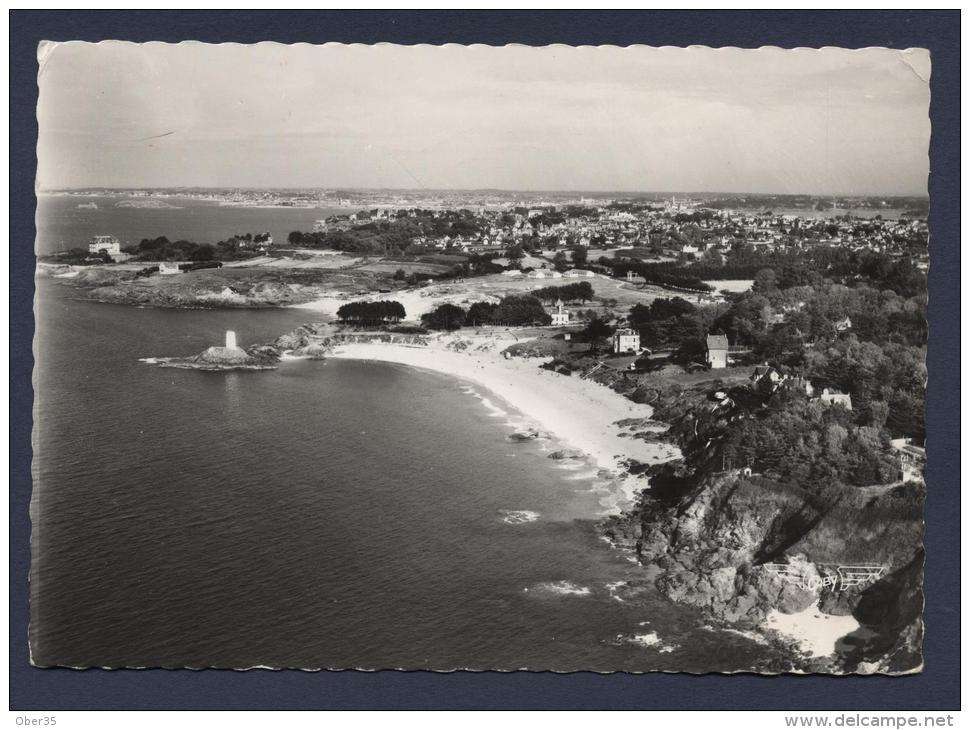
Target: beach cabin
168 268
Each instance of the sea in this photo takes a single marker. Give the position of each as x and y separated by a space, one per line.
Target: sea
326 515
68 221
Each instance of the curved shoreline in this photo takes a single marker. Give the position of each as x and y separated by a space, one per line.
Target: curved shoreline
579 413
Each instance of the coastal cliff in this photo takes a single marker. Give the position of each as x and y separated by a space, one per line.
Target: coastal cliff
745 547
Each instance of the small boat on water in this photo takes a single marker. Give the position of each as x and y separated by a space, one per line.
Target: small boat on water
87 206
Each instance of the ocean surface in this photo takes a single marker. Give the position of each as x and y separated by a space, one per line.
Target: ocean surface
329 514
62 225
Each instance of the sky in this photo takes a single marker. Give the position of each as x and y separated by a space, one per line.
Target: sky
830 121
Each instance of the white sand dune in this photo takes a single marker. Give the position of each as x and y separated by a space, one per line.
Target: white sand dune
579 413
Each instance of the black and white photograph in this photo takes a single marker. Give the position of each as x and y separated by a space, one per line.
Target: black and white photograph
470 357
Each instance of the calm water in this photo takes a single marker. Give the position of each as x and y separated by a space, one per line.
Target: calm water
327 514
62 225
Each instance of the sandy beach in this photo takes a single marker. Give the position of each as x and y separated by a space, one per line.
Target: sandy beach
817 633
581 414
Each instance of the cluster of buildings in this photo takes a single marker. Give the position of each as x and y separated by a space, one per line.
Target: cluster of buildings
669 230
769 377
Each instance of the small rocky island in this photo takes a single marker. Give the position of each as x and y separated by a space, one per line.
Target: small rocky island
305 342
229 357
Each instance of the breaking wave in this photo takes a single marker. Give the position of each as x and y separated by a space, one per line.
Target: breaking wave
562 588
518 516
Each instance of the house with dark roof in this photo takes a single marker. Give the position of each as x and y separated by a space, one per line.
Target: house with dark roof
765 372
717 351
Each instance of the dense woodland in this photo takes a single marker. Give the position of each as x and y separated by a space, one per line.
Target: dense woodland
858 328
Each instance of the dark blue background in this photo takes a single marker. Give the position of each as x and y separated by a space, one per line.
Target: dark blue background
937 687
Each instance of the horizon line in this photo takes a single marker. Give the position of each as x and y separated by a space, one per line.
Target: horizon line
481 190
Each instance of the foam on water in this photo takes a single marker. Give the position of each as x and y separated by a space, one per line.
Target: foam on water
562 588
518 516
494 410
583 475
612 589
649 640
571 465
750 635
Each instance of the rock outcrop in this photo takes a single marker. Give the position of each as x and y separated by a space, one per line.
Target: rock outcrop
741 547
258 357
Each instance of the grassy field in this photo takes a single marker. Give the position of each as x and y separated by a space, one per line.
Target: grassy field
389 268
676 374
609 290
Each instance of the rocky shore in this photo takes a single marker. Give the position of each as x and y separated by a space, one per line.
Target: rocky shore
309 341
222 358
228 287
756 554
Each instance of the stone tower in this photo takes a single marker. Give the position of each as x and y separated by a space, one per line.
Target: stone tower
230 340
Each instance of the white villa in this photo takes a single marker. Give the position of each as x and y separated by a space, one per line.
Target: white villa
626 340
107 244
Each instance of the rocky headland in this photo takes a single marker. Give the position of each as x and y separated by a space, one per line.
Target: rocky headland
746 548
228 287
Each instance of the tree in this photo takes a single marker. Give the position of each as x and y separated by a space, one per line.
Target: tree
444 317
205 252
400 275
714 258
481 313
580 291
369 314
597 328
515 253
580 256
520 311
693 350
765 281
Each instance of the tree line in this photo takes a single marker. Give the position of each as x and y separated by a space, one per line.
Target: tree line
371 314
511 311
234 248
579 292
